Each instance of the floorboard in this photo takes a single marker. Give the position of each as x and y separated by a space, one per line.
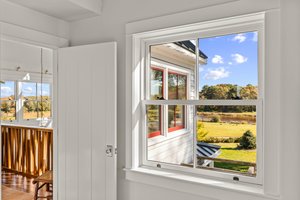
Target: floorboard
18 187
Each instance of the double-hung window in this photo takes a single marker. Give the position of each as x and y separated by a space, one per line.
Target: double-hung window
202 100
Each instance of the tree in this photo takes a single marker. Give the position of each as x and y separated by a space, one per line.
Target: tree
5 107
247 141
201 132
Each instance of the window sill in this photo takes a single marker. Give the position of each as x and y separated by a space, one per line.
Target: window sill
182 182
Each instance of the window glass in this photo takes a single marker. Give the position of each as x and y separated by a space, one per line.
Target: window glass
227 133
8 110
153 120
30 109
175 117
156 83
8 90
43 90
231 71
29 91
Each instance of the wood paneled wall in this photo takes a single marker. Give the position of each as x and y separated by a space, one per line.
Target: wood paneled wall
26 150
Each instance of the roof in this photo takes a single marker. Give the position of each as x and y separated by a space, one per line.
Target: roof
188 45
207 150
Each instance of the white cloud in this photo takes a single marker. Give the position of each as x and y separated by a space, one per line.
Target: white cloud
217 59
240 38
238 58
255 37
216 74
230 63
28 90
6 90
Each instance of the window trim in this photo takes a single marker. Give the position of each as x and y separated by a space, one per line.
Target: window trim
136 36
257 26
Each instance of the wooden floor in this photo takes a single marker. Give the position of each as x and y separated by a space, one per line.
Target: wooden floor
18 187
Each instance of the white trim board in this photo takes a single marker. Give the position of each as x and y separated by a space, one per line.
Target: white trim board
29 36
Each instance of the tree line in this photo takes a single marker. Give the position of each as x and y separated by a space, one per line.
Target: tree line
228 92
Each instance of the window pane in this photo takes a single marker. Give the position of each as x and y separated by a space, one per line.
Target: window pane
8 110
30 110
227 133
178 57
182 89
231 71
156 83
44 109
175 117
29 91
177 150
172 86
44 90
8 90
153 120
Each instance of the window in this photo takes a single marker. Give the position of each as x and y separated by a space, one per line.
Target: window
36 100
201 99
8 101
175 85
25 101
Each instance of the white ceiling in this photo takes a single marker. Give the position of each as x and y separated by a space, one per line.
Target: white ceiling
68 10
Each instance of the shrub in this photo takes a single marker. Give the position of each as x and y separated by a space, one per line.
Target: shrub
247 141
201 132
221 140
215 118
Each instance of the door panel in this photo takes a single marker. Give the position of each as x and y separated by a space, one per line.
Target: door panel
86 122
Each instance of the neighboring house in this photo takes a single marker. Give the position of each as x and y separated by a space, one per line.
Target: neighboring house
172 77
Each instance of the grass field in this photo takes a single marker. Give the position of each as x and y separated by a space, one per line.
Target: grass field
229 151
26 115
227 129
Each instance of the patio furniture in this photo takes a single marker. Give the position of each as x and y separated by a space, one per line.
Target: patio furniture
45 179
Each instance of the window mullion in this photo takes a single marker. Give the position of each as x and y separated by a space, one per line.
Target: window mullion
165 107
195 117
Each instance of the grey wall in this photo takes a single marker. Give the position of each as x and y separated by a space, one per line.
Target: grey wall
110 26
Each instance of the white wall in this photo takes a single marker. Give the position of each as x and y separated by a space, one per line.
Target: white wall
111 26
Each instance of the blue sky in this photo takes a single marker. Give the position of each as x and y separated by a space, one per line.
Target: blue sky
28 89
231 59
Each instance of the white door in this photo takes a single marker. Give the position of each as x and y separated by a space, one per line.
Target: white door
86 115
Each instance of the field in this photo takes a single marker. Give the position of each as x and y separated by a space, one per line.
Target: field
230 125
221 129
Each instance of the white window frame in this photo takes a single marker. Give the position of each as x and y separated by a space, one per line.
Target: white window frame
139 44
204 33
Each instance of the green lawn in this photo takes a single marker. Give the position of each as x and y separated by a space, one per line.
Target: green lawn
227 129
229 151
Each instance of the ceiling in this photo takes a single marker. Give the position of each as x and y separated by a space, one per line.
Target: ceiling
68 10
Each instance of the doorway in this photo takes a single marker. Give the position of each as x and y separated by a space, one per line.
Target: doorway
27 119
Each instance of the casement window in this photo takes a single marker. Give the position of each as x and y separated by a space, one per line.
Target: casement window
200 92
166 83
25 101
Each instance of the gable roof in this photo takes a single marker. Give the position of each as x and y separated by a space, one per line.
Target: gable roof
188 45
